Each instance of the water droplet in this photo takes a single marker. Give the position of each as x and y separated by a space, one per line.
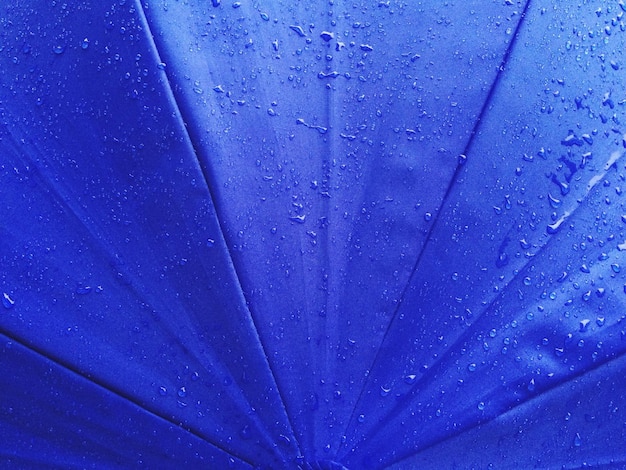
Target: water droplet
182 392
577 440
584 324
58 49
298 218
471 367
554 202
481 405
410 379
7 301
298 30
84 44
245 433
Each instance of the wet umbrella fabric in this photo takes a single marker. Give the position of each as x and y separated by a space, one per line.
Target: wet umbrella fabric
291 235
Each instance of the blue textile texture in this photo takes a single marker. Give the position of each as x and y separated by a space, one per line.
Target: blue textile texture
312 235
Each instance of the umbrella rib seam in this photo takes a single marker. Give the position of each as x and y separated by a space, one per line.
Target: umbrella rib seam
118 393
204 171
454 178
571 378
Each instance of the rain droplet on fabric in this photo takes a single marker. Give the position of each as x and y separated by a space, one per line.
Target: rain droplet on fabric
577 440
7 301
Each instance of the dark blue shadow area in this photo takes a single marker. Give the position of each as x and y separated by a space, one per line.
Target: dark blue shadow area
290 235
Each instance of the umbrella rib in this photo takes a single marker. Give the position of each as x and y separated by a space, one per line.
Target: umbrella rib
119 393
594 366
435 367
204 171
454 178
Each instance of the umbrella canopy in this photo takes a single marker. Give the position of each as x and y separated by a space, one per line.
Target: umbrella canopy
293 235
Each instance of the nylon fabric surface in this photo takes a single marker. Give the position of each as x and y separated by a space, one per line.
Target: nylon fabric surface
312 235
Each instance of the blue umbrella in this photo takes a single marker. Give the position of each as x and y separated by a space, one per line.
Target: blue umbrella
289 235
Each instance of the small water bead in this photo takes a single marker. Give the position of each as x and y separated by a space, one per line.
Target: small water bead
481 405
584 324
7 301
471 367
577 440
